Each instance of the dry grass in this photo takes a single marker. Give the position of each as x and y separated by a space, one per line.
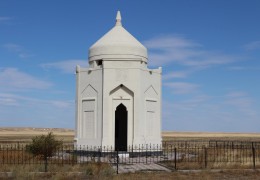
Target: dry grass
210 135
25 134
215 158
199 175
21 157
104 171
15 157
83 171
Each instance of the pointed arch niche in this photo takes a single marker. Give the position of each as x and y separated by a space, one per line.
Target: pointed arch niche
151 114
121 128
88 120
122 96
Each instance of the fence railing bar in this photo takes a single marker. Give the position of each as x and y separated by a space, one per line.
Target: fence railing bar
183 152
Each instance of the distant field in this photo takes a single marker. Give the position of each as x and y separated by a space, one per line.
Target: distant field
25 134
210 136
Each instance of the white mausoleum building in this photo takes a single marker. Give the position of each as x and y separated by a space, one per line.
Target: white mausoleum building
118 99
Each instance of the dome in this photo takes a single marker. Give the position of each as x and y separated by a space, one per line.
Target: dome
117 44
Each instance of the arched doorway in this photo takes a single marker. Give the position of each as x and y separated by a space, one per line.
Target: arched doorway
121 128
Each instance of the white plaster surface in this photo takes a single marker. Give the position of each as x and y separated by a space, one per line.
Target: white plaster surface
118 43
118 74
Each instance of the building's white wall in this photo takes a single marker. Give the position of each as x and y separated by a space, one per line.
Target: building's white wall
149 95
118 73
89 106
145 85
152 108
102 89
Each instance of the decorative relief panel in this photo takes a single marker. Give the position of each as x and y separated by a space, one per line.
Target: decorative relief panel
88 119
150 116
89 91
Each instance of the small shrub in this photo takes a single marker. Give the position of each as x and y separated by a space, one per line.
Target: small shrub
44 146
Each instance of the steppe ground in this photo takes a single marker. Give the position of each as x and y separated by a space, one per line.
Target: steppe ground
8 134
25 134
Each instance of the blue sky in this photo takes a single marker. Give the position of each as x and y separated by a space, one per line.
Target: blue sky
209 51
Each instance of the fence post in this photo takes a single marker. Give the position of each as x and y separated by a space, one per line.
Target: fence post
99 154
205 153
7 154
146 154
175 158
46 157
62 160
253 152
117 161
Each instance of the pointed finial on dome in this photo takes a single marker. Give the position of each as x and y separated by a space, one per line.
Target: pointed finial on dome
118 19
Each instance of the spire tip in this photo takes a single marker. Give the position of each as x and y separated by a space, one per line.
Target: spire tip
118 19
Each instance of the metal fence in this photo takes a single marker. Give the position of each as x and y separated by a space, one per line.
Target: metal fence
214 154
173 154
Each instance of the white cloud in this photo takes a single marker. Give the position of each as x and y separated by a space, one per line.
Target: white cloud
181 87
18 109
61 104
242 68
232 112
67 66
170 41
13 47
4 18
181 73
242 101
176 74
25 55
176 49
13 79
188 114
236 94
17 49
191 103
7 99
255 45
236 68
